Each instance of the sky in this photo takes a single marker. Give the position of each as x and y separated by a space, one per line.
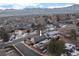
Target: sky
20 4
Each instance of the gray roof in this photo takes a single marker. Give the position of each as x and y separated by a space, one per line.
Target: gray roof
39 38
25 26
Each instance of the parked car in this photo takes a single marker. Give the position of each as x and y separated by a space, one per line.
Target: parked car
44 51
38 45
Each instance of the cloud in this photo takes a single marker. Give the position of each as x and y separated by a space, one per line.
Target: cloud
18 4
66 5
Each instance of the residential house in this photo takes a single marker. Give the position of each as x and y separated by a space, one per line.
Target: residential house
38 39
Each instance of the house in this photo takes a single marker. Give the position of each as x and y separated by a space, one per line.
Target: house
52 33
18 32
50 28
24 27
38 39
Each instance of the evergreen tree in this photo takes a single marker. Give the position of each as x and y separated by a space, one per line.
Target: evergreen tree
73 35
56 47
4 35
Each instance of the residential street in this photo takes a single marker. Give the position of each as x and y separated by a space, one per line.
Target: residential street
25 50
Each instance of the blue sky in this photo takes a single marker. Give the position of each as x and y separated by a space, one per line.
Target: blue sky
6 6
20 4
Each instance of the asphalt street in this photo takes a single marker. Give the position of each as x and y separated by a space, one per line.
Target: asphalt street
25 50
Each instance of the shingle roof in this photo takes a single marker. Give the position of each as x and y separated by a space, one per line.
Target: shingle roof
39 38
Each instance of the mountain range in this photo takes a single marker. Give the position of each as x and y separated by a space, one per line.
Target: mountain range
34 11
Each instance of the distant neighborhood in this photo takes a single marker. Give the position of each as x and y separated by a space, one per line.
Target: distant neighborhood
48 34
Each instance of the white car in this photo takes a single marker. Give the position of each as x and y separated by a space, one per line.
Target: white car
38 45
41 44
44 51
12 38
75 53
69 46
45 41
